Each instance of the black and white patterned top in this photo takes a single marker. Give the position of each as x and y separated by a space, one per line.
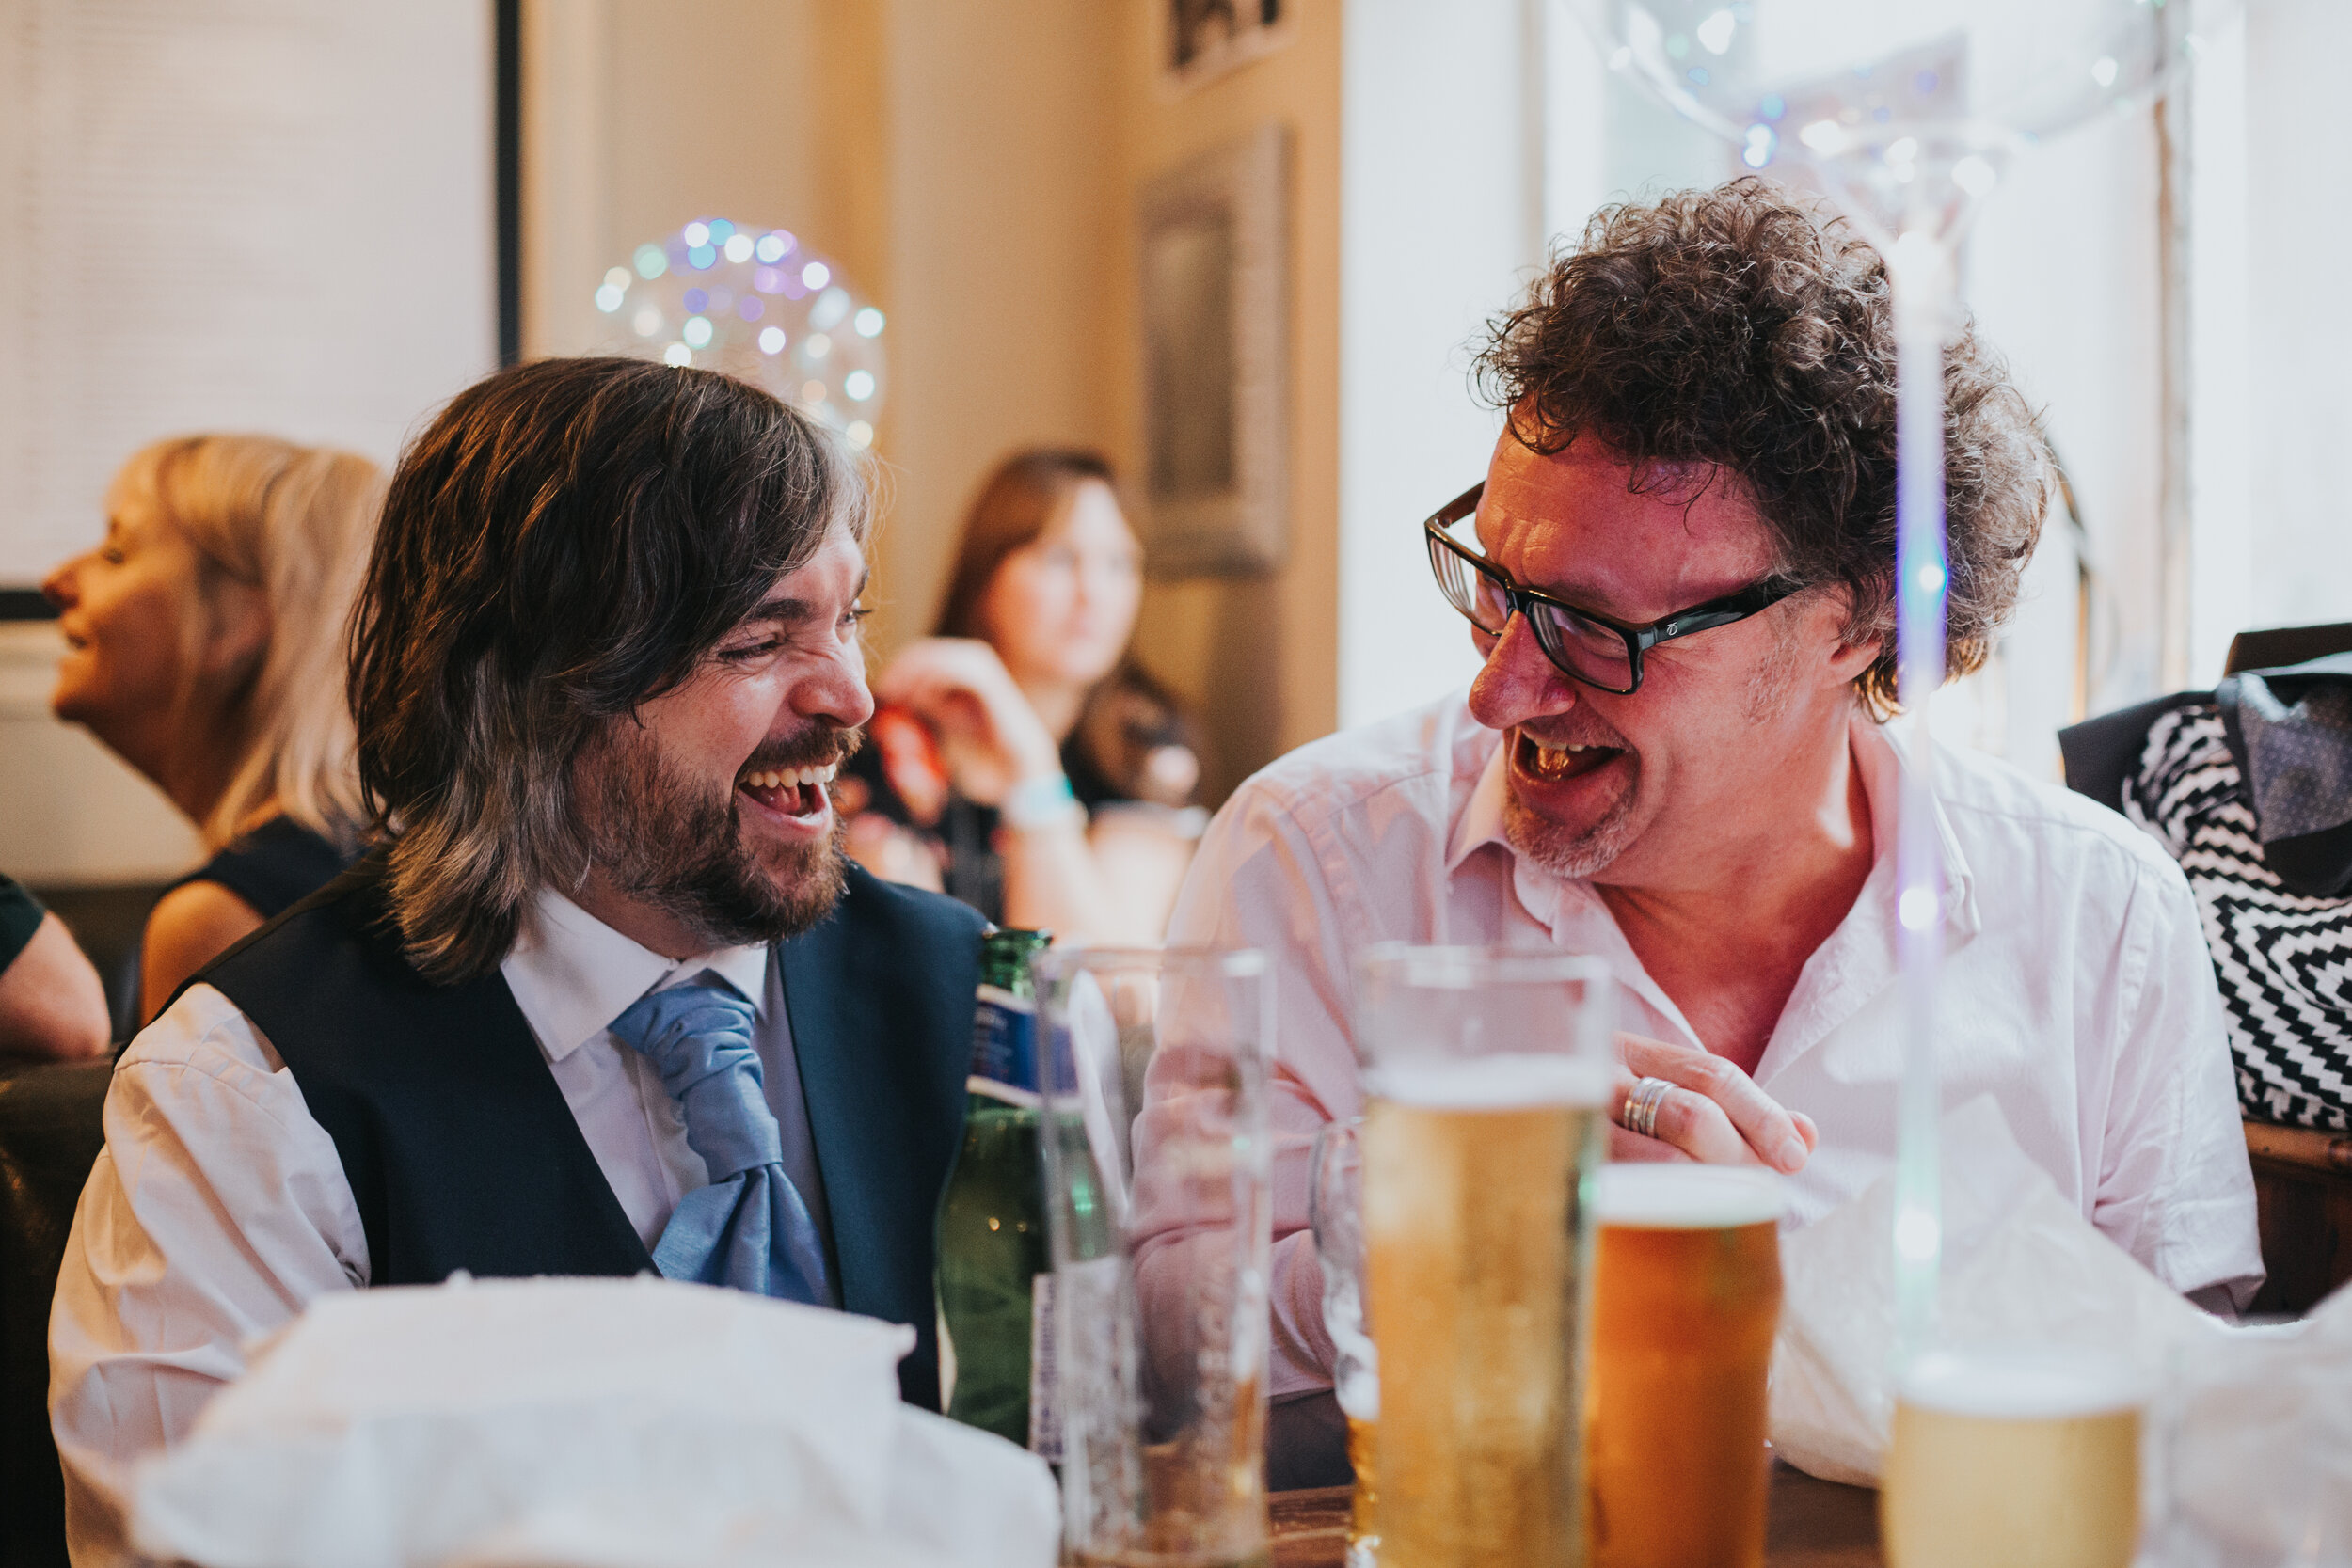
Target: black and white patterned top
2285 960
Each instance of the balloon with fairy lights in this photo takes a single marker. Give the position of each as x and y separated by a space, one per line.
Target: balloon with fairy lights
1911 112
756 304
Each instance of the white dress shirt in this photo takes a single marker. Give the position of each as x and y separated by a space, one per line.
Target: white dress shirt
2076 989
219 1208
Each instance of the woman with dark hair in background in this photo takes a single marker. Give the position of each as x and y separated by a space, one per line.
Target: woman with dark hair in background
204 642
1021 759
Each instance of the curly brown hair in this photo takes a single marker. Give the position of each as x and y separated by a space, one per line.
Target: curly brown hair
1750 332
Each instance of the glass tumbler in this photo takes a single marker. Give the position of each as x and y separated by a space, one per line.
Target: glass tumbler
1335 1196
1160 1229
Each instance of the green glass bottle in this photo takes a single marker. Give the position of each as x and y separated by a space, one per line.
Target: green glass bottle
995 1278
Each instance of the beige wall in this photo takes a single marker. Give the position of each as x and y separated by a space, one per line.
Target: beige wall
973 165
1258 658
999 177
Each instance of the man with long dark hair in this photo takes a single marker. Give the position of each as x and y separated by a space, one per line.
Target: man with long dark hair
606 996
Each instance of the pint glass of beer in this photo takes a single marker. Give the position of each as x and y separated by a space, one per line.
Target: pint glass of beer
1686 1299
1486 1077
2026 1457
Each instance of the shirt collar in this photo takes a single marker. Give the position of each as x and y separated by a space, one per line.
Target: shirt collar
572 975
1882 756
1481 821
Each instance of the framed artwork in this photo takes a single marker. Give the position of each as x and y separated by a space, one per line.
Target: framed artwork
1205 38
1214 291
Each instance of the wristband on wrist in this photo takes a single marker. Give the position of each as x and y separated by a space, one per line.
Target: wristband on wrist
1039 803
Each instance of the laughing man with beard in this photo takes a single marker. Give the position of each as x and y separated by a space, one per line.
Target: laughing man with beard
608 997
1678 575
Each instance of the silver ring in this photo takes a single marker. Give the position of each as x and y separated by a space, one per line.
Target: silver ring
1641 1105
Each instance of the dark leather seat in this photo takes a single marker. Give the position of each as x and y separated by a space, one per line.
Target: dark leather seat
50 1135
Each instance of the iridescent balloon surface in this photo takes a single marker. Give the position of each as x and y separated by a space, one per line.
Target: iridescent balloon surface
754 304
1886 94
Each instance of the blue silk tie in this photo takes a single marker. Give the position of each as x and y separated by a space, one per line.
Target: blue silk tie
750 1228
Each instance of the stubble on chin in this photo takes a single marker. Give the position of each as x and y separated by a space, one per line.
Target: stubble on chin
1579 853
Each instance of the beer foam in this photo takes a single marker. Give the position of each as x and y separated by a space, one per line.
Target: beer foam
1492 1083
1686 1197
2023 1383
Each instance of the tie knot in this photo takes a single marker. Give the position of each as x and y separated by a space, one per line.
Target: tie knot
698 1039
683 1027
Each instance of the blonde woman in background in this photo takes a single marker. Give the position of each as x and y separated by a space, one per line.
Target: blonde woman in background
205 648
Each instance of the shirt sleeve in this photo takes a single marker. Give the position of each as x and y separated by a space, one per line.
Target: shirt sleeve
2175 1188
1258 881
217 1212
20 917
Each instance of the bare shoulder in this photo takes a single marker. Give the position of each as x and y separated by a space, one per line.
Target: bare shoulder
191 926
51 1001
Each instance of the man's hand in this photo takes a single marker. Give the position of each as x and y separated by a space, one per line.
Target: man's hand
1715 1114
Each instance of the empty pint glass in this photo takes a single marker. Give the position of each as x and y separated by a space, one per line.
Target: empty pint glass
1686 1299
1160 1228
1485 1076
2026 1457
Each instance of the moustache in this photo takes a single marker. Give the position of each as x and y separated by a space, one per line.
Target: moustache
819 746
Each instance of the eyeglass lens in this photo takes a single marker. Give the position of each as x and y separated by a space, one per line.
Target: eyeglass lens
1586 649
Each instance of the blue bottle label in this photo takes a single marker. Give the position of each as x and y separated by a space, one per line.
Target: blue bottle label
1003 1047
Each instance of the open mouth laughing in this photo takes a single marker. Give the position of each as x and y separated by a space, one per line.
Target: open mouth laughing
796 793
1557 764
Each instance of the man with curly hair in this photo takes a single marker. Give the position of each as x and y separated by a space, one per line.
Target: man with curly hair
1678 573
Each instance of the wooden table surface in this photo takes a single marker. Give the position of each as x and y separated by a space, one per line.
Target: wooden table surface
1815 1524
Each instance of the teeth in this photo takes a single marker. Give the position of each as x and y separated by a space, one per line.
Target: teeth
796 778
1554 761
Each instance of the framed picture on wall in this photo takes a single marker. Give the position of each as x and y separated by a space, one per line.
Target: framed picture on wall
1205 38
1214 291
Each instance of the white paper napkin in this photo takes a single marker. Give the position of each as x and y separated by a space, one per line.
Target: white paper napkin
605 1423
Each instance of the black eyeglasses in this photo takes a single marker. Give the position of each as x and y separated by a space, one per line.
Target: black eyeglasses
1583 646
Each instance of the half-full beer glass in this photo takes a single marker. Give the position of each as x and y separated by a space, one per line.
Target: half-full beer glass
2024 1456
1160 1228
1686 1299
1485 1076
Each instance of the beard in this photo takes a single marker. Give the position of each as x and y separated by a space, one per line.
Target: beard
1579 853
664 837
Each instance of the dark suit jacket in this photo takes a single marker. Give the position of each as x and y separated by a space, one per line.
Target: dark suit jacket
462 1153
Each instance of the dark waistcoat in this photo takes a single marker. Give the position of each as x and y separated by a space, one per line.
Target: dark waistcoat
462 1154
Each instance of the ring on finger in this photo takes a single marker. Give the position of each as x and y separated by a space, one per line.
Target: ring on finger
1641 1105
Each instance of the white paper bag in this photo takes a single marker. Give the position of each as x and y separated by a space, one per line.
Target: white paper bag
620 1423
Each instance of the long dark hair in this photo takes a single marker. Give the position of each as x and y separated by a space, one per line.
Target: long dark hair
1128 715
564 542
